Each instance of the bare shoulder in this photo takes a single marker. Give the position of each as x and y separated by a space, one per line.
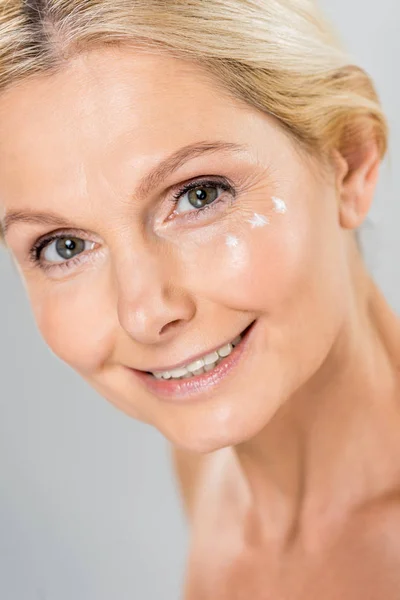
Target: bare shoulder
379 522
367 556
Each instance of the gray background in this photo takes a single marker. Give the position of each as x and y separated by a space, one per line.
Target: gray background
88 506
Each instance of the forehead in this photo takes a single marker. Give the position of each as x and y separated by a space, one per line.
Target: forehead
107 118
103 96
104 105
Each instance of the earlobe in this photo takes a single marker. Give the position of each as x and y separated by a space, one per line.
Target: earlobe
358 185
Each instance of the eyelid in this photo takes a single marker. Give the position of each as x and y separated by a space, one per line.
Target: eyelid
199 181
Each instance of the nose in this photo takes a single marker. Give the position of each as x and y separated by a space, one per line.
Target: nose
152 306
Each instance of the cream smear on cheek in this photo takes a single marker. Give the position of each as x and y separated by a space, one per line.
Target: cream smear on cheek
256 221
279 205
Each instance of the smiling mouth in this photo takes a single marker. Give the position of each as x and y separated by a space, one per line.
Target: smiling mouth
201 365
204 381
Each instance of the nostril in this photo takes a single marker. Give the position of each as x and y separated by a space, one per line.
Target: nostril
172 325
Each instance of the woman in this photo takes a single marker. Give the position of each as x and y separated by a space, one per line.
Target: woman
181 186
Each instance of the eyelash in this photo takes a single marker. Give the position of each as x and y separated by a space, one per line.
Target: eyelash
42 243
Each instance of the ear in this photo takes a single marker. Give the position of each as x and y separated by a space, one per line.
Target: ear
356 177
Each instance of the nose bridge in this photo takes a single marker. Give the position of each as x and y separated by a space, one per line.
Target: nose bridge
151 301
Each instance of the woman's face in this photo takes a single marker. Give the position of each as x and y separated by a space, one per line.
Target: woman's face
125 279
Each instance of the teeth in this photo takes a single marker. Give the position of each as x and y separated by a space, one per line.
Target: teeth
201 365
225 350
196 365
211 358
178 372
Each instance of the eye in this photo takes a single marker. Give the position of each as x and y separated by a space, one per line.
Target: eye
197 197
64 248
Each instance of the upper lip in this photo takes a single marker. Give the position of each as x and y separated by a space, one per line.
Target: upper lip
191 359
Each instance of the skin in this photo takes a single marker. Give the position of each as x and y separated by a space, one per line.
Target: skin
293 459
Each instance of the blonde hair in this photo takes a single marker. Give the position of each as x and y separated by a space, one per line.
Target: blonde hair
279 56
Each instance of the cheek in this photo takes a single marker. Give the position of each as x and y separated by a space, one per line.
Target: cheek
75 322
247 267
287 272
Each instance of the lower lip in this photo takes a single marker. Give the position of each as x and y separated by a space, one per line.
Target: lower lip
179 390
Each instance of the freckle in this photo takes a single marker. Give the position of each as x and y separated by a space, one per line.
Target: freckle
279 205
258 220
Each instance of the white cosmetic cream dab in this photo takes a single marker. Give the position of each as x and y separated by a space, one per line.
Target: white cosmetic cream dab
279 205
232 241
258 221
238 252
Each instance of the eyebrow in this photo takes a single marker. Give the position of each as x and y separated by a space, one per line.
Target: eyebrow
151 180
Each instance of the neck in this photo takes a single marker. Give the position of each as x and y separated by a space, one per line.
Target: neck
334 445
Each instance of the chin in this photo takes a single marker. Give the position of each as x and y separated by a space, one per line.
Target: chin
216 427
